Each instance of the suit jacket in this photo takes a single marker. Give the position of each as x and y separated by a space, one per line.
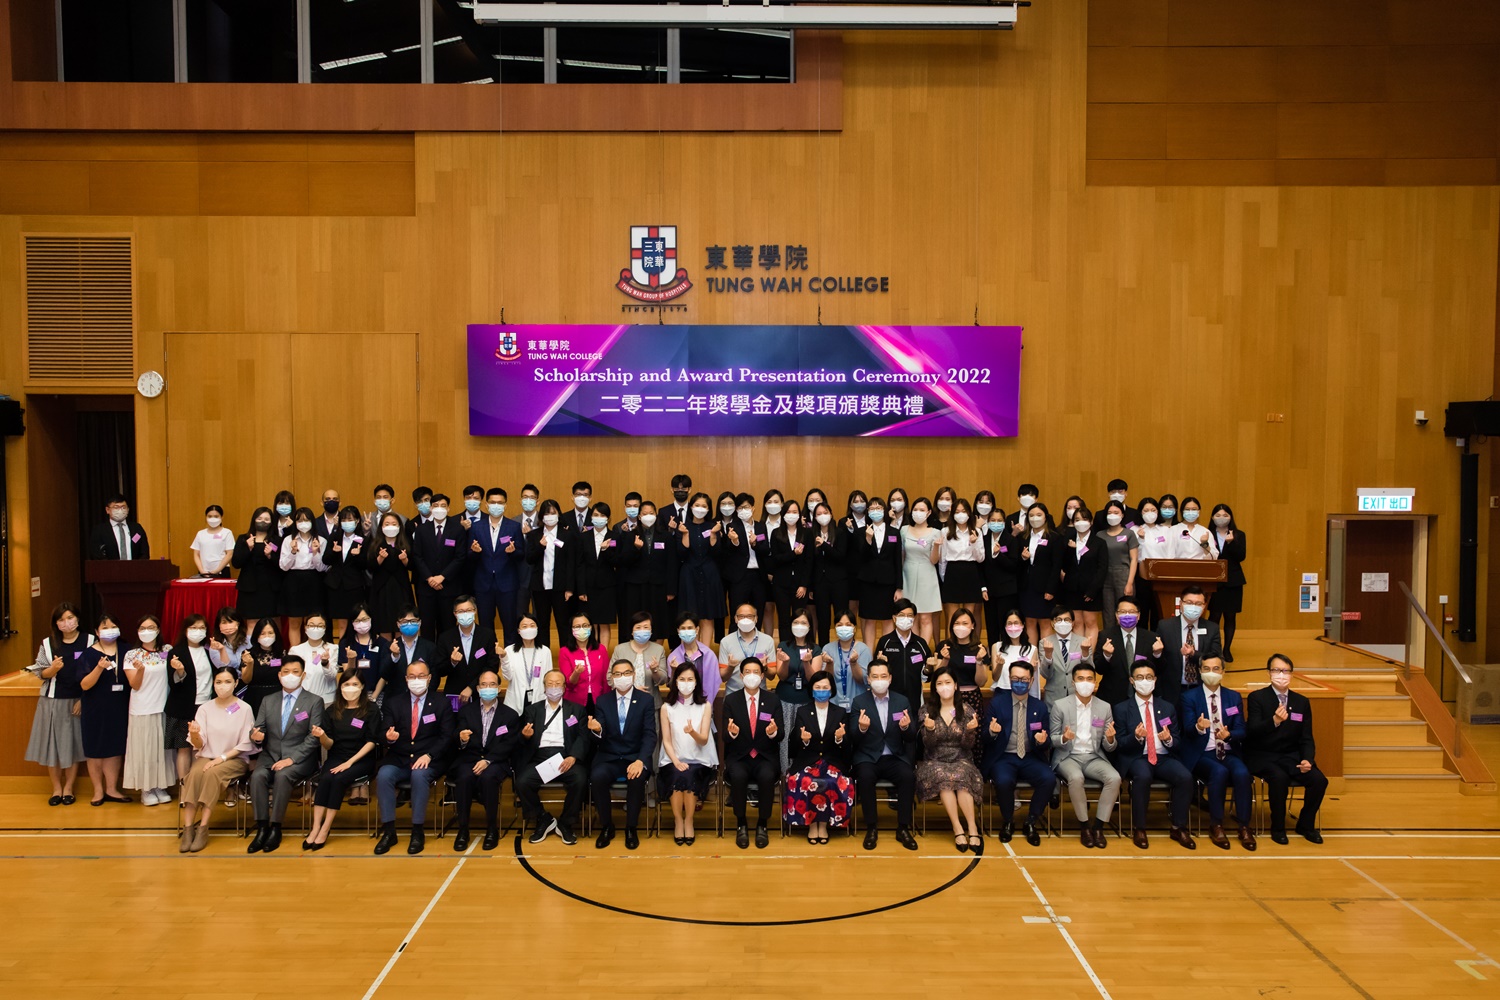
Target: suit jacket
297 740
346 569
465 673
868 746
596 570
658 563
575 732
1233 552
1113 671
768 710
496 571
104 545
504 735
1128 716
830 559
435 731
1039 575
885 566
1038 720
1169 675
1065 713
637 741
822 746
259 573
734 559
1058 668
1083 575
791 569
1001 569
393 665
1268 743
1231 713
562 559
435 554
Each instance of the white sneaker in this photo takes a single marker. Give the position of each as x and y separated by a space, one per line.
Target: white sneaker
148 797
163 797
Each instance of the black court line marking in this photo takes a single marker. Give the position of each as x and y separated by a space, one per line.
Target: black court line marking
1286 926
521 857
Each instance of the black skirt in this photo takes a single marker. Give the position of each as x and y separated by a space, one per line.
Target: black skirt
302 593
961 583
341 602
1227 600
256 604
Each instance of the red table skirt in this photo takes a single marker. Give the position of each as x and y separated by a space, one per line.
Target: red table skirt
194 597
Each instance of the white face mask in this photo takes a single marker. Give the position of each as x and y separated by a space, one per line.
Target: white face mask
700 512
919 516
1211 678
581 502
391 530
1113 520
648 520
825 519
1084 688
197 634
684 688
904 624
361 628
1145 686
214 521
1118 496
1037 520
439 513
304 526
350 691
417 685
315 632
109 634
746 625
983 509
1014 631
773 509
291 682
266 641
945 691
945 505
549 520
752 681
727 509
880 685
961 632
528 633
1082 527
747 514
799 629
624 683
1149 516
148 634
1063 628
961 517
897 505
1025 500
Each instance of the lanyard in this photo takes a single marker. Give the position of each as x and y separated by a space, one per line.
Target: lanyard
843 667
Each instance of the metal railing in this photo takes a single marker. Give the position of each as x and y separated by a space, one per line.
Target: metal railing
1464 697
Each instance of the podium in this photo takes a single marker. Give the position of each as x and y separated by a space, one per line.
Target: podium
129 588
1169 576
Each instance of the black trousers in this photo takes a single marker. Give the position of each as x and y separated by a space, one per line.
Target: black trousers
1011 769
749 589
505 602
332 787
528 787
1179 780
435 607
900 773
605 773
548 606
828 600
488 783
1279 776
761 770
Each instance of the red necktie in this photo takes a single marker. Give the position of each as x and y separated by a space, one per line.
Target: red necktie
416 709
1150 734
752 722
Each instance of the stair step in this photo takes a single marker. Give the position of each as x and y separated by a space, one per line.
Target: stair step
1377 707
1386 733
1366 683
1399 784
1393 760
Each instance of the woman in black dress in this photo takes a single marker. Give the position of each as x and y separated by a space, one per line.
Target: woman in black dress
349 737
1230 596
830 570
344 555
388 557
1040 559
262 663
1085 561
105 700
257 555
700 592
879 572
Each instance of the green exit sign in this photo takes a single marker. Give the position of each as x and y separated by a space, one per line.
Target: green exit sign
1385 501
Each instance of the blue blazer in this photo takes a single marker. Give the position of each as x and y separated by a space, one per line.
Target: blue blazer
1128 716
1194 704
1038 720
497 572
869 744
638 741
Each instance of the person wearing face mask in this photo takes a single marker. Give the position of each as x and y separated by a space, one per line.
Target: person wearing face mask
984 506
438 549
1155 543
966 656
600 554
257 556
349 736
1148 732
421 499
906 653
1042 558
879 572
1118 493
549 551
220 738
408 647
950 732
345 583
530 519
1123 645
389 559
773 514
327 523
845 658
943 508
524 663
922 549
320 658
1083 732
797 659
556 737
688 759
284 505
897 508
1017 748
465 650
1214 718
1013 645
856 518
1230 595
1026 495
149 769
1280 750
883 748
359 649
118 537
818 793
791 564
1000 574
753 724
745 556
648 584
682 487
1168 511
104 711
469 512
189 684
1060 651
830 571
213 545
1121 554
700 590
56 741
1084 567
746 642
962 553
381 498
1186 639
289 751
488 733
302 569
691 649
623 731
584 661
649 656
1190 539
418 726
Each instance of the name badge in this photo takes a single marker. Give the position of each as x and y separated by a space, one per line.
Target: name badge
1165 722
765 716
897 716
1130 525
710 531
502 730
916 657
1042 541
1004 549
536 671
1139 658
609 544
558 543
505 539
362 664
357 723
429 718
1200 631
572 721
760 538
1161 539
77 655
1075 656
891 539
275 663
1295 716
1232 710
136 537
300 717
971 659
1083 550
449 542
1098 723
1036 726
121 687
234 706
478 652
658 545
273 546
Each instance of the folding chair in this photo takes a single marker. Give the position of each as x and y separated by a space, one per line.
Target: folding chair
617 798
1091 792
1260 799
991 798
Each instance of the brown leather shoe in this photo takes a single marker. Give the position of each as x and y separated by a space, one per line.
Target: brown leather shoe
1247 838
1180 834
1099 836
1086 835
1141 840
1217 837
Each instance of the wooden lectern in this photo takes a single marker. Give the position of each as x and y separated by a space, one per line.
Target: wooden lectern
129 588
1169 576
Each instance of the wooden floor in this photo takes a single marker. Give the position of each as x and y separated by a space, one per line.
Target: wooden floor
1398 902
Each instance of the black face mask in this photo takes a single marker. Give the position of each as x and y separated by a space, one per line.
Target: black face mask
680 496
330 506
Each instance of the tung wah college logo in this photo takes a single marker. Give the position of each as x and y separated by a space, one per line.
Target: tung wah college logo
653 275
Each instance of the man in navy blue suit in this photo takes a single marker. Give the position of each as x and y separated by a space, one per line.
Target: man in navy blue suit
1211 749
624 731
885 743
1148 734
1018 746
499 554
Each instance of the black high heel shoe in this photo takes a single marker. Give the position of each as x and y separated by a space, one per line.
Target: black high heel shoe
961 842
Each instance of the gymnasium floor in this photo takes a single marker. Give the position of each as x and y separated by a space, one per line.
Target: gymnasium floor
1399 901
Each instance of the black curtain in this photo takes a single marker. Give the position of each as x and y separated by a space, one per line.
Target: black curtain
106 465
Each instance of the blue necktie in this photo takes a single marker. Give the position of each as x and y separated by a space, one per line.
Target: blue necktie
624 708
286 710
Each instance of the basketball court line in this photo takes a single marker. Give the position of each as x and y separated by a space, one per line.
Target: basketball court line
1059 923
1368 878
1286 925
421 918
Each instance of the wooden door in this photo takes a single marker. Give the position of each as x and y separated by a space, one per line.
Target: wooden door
1377 554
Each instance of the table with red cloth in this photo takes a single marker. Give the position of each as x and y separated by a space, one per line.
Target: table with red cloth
193 596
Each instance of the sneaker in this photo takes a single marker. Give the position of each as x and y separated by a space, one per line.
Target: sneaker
148 798
541 833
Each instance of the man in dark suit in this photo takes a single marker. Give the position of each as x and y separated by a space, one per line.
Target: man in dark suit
885 744
624 731
677 512
289 752
744 554
530 520
573 525
1146 730
1017 747
1281 752
465 650
1118 493
1186 639
438 550
552 728
1213 717
418 730
488 732
752 750
1026 495
498 550
1125 643
406 648
119 537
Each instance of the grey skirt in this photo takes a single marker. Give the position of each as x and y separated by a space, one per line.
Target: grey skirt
56 734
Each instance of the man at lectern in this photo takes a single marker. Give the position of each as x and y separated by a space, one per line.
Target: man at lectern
119 537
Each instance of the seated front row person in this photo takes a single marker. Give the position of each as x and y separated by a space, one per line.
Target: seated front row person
555 734
1214 721
752 750
1148 734
624 732
220 735
884 743
1282 752
418 731
689 759
289 751
350 735
818 794
1017 748
1083 731
946 771
487 735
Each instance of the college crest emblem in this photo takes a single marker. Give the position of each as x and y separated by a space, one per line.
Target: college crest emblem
653 274
509 348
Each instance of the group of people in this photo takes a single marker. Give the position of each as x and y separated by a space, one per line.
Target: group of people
363 650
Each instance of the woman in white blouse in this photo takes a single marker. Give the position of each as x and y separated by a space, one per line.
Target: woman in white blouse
1191 540
688 758
958 568
320 658
213 545
147 766
303 566
220 734
524 666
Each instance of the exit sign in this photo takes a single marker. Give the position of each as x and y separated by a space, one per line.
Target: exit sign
1385 501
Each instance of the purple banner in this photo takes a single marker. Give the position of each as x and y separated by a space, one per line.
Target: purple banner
837 381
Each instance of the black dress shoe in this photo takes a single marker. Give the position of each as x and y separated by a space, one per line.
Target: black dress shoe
1007 830
1141 839
1099 840
417 842
273 838
605 836
762 837
461 842
308 845
633 840
258 842
742 837
905 839
318 847
1311 835
491 839
56 800
1278 836
872 837
1181 835
542 831
679 841
1032 837
567 835
387 838
1228 656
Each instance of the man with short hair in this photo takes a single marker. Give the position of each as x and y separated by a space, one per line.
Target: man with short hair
555 733
1281 752
1211 750
418 728
747 641
487 735
1017 737
289 752
119 537
624 732
752 750
1147 728
1083 732
1186 639
885 746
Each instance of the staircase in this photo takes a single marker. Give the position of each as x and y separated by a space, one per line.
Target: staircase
1387 745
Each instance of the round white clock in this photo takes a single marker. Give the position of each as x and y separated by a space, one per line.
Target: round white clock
150 384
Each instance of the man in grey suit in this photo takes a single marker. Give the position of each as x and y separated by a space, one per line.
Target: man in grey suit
1060 651
288 752
1083 731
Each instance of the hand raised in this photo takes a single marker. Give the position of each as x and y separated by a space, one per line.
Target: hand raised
994 726
864 721
734 730
594 726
